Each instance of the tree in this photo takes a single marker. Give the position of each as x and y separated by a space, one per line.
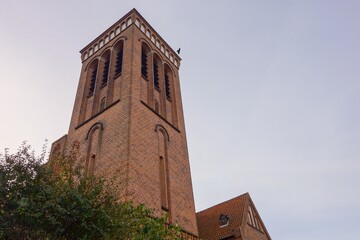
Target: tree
36 203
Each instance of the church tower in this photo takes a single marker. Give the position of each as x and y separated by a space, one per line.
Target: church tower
128 120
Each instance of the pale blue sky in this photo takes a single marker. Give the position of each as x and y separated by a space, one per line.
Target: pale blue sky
270 92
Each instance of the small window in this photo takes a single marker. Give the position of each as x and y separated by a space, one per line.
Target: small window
123 26
117 30
102 104
156 105
148 33
106 39
143 28
153 38
224 220
137 22
96 47
112 35
101 44
129 21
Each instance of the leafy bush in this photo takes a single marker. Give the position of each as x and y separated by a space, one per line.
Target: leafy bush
37 203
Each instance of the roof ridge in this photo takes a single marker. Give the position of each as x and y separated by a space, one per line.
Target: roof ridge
221 203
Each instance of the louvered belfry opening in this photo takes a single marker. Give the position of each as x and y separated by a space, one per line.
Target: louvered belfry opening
167 86
144 70
106 72
156 76
118 66
92 79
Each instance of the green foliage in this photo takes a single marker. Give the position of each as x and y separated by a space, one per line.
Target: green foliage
35 203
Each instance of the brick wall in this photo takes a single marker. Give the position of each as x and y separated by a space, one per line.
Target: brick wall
127 143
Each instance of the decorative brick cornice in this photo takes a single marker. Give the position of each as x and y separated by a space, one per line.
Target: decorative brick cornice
132 17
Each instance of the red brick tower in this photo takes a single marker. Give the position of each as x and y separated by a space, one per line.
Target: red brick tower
128 119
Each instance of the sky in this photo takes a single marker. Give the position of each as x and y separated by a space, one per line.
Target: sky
270 92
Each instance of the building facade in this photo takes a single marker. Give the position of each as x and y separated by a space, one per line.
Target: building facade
128 121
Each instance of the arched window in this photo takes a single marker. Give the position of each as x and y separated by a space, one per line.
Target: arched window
163 139
93 150
106 67
92 75
142 28
117 30
137 22
129 21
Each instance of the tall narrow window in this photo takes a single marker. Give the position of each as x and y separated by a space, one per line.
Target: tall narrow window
93 149
163 185
165 196
169 78
119 59
106 72
144 70
156 76
91 165
92 80
167 85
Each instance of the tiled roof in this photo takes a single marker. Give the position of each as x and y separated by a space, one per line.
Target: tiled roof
234 209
